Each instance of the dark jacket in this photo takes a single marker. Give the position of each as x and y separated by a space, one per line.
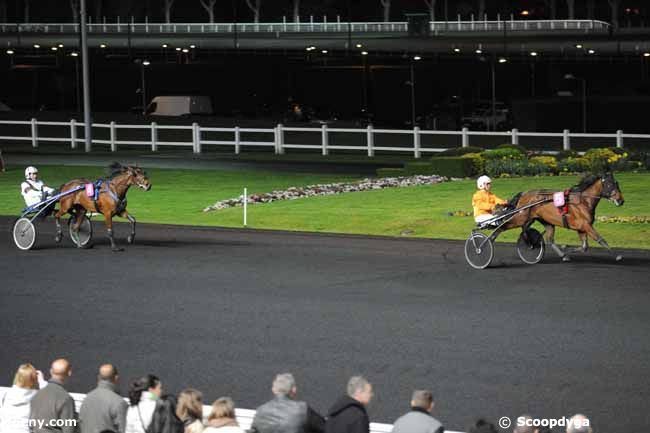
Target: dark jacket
284 415
164 418
347 416
52 402
103 409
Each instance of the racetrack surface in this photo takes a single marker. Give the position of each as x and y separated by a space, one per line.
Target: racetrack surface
223 310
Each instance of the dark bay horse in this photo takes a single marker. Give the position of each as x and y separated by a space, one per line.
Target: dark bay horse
111 200
582 201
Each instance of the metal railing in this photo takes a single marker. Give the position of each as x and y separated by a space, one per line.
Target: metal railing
308 27
275 138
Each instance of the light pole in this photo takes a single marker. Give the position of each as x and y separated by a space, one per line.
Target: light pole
412 95
86 77
583 83
143 84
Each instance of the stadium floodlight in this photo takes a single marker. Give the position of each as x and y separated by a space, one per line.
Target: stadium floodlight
185 50
456 50
192 46
359 46
37 46
178 48
533 53
503 60
102 45
60 45
165 45
74 54
417 58
10 52
579 46
479 51
324 51
146 63
364 53
646 54
54 48
591 52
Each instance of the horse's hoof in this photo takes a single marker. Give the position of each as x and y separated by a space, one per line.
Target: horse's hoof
117 250
566 259
619 258
58 238
130 239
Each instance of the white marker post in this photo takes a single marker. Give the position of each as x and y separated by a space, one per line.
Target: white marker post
245 206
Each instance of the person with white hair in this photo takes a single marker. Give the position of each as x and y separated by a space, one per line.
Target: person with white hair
283 414
484 201
33 189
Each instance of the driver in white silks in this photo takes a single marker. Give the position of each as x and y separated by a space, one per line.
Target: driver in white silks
484 201
33 189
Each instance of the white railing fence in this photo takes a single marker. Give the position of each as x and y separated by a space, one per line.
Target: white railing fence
313 26
244 416
199 136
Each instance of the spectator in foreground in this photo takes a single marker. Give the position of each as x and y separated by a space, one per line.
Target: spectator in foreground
579 424
54 402
283 414
190 410
222 417
419 419
143 394
164 418
14 404
348 415
103 408
482 426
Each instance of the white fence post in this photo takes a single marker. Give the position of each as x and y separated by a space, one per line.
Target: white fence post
619 139
34 134
279 140
154 137
566 140
465 138
325 140
113 140
515 136
73 133
416 142
196 137
237 140
371 141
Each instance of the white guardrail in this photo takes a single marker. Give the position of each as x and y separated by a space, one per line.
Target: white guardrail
276 136
312 27
244 416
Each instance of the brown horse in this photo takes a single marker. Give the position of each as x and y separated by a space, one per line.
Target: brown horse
111 200
582 201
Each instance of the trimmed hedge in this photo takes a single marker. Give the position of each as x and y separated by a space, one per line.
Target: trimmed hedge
391 172
452 166
415 168
459 151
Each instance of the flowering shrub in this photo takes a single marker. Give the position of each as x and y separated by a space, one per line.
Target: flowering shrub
548 161
503 154
516 167
574 165
604 159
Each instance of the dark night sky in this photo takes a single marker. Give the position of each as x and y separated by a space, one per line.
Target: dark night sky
273 10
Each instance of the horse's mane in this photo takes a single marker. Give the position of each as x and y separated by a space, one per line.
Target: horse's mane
585 183
114 169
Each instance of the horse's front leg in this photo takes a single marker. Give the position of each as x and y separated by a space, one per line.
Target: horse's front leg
591 231
108 220
584 245
131 219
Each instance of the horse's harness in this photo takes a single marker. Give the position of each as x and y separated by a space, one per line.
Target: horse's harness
120 204
608 189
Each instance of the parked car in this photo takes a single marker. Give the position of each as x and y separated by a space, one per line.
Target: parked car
179 105
484 118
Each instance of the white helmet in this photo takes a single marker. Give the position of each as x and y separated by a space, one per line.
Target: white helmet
481 181
29 170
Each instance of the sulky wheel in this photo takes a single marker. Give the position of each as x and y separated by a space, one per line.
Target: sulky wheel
531 247
82 237
479 251
24 233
